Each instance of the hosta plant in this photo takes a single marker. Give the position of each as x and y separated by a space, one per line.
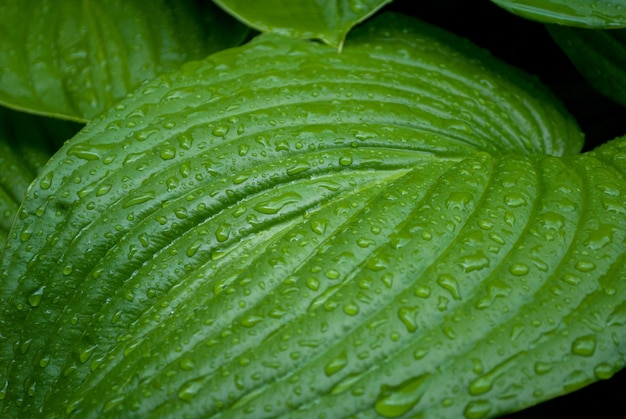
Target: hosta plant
398 224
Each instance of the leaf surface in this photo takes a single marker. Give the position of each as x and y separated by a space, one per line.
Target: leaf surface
329 21
73 59
284 230
599 55
599 14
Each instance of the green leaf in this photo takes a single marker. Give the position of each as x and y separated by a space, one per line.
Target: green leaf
329 21
600 14
599 55
402 228
26 144
75 59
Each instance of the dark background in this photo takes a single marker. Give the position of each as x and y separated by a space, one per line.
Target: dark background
528 45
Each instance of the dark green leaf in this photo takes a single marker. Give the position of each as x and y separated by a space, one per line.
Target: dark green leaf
75 59
329 21
26 144
600 55
284 230
581 13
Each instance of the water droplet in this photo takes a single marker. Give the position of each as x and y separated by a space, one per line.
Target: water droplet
484 383
34 299
319 226
603 371
250 320
168 153
139 199
519 269
543 367
584 345
298 168
477 409
67 270
103 190
313 283
46 181
450 284
459 201
345 161
422 291
220 131
408 316
474 262
274 205
585 266
190 389
351 309
515 200
395 401
223 232
336 364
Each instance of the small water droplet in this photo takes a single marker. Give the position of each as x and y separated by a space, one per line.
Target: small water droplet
220 131
585 266
336 364
34 299
474 262
67 270
103 190
477 409
515 200
46 181
519 269
168 153
584 345
223 232
345 161
351 309
459 201
190 389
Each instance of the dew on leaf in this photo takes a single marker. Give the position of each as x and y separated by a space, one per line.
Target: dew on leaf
34 299
46 180
408 317
477 409
395 401
274 205
585 266
168 153
519 269
336 364
584 345
450 284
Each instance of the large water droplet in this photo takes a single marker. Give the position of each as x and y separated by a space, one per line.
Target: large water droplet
584 345
336 364
395 401
274 205
34 299
477 409
450 284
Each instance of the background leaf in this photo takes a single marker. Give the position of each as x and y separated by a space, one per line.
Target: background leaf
26 144
601 14
74 59
329 21
599 55
255 220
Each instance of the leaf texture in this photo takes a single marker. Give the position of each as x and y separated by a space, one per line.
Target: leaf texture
329 21
284 230
73 59
597 14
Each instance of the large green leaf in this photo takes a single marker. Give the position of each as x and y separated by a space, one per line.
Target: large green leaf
402 228
74 59
329 20
580 13
600 55
26 144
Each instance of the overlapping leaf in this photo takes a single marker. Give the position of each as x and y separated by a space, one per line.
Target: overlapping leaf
26 144
599 14
599 55
329 21
284 230
75 59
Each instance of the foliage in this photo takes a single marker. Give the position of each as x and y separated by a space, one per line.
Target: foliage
395 224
